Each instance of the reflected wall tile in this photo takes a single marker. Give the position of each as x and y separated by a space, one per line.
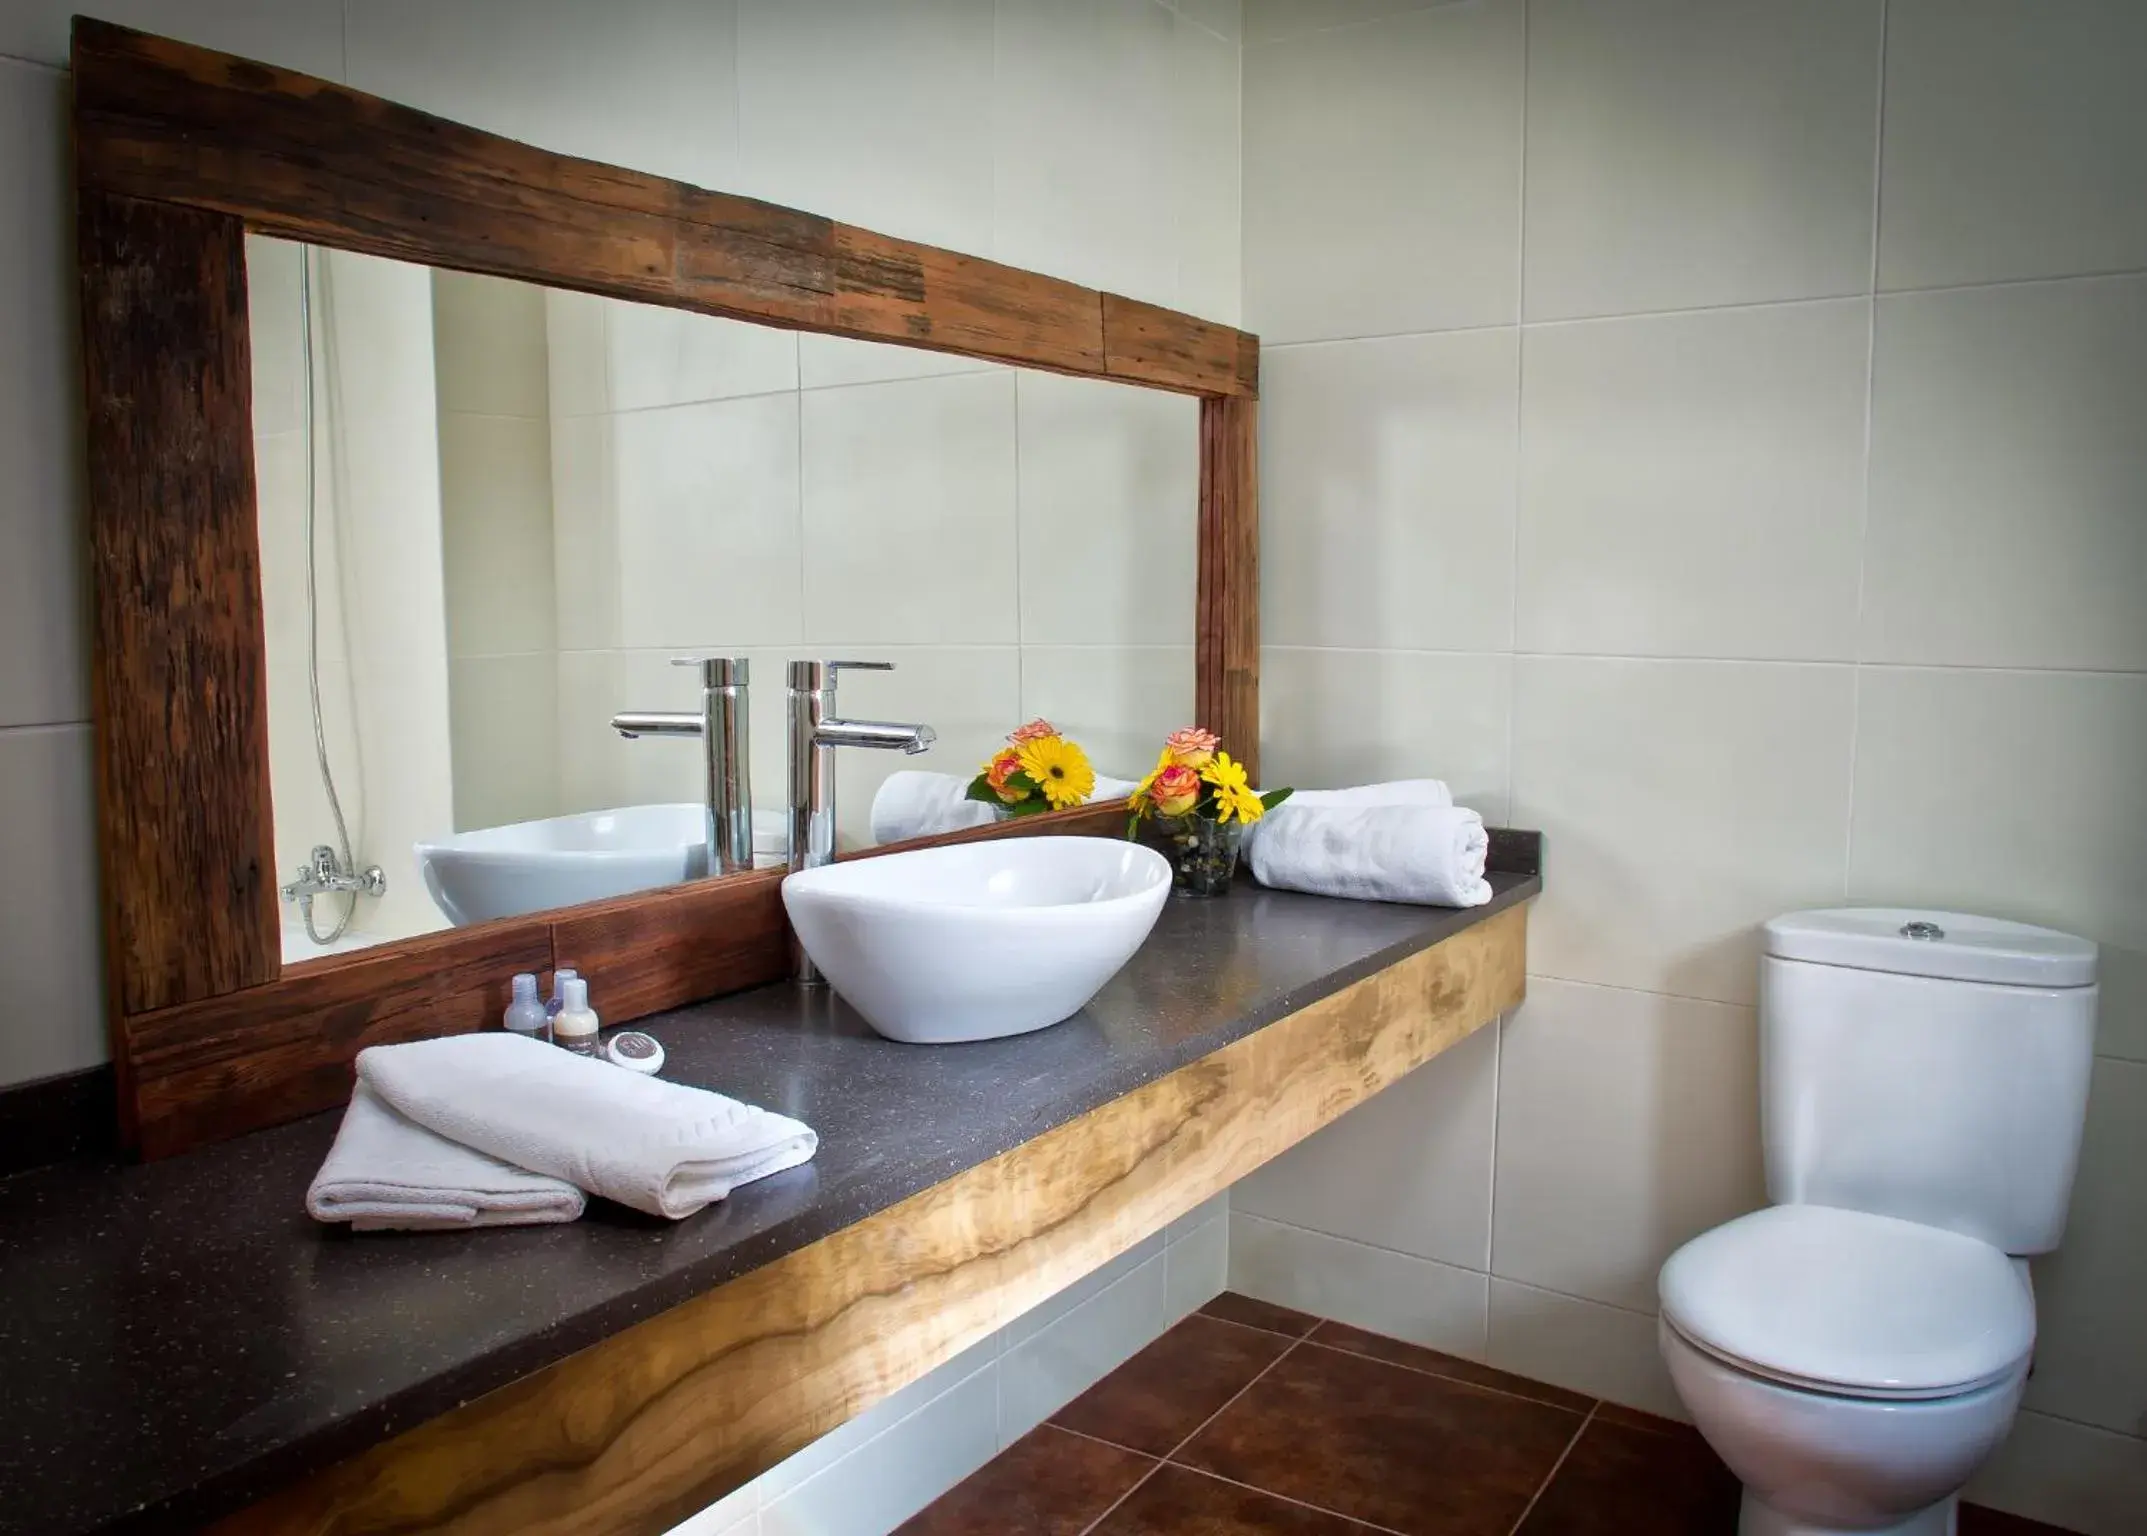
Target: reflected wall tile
49 945
909 493
871 114
577 352
1329 719
585 532
708 524
970 695
272 275
1119 702
600 769
504 724
832 360
496 534
659 356
489 345
1387 500
1109 509
1628 1123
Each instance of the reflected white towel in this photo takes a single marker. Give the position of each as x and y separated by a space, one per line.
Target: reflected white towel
913 803
1429 854
659 1147
384 1171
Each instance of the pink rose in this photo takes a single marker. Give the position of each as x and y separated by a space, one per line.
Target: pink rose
1194 745
1175 790
1035 730
1002 768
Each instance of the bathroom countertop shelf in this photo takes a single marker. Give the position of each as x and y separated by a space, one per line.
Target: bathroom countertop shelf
180 1340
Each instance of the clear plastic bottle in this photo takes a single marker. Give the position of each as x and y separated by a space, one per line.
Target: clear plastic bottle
526 1014
576 1027
560 978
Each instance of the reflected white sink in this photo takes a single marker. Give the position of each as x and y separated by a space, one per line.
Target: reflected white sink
528 866
981 939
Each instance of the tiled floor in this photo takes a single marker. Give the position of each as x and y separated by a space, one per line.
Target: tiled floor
1249 1418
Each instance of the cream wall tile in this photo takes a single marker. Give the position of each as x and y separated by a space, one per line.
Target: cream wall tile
585 531
872 114
577 355
1628 1123
273 339
1335 718
1196 1267
48 946
1686 154
1208 194
2018 795
1403 212
43 616
735 1514
2015 132
503 718
1225 18
1105 1275
496 534
910 512
890 1478
826 360
1119 702
2047 1469
2091 1340
1693 485
1041 1374
297 34
1688 802
373 320
1409 1169
651 87
889 1413
1082 100
1391 1293
2006 464
970 695
489 345
1269 19
1388 498
663 356
1214 1208
1109 480
708 524
1603 1351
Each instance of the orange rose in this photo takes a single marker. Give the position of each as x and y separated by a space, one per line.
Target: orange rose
1175 790
999 770
1194 745
1035 730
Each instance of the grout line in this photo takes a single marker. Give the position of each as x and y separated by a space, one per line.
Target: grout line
1452 1381
1357 1521
1520 398
1552 1475
1670 659
1863 529
1498 1075
44 727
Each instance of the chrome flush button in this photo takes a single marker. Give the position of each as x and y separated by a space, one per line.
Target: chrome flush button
1922 930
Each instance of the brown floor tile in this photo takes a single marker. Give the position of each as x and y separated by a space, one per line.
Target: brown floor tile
1389 1446
1619 1479
1172 1387
1233 1308
1654 1423
1417 1358
1047 1483
1978 1521
1176 1502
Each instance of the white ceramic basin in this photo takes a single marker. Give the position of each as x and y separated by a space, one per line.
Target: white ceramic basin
528 866
981 939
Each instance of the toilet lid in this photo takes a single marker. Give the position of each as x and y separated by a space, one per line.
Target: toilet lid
1851 1303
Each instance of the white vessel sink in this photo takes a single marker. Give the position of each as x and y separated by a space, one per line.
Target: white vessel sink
528 866
981 939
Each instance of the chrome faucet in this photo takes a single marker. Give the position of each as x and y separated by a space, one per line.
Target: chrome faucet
815 733
727 790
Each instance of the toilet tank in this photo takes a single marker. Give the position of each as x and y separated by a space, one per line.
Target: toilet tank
1926 1065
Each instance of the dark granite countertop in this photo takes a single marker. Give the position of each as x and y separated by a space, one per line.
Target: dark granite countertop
177 1339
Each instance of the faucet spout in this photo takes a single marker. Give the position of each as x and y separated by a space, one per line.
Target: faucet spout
882 735
720 723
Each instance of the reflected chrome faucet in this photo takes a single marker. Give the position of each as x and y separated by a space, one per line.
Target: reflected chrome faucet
727 790
815 733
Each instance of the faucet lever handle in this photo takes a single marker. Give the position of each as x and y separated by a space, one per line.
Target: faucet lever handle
859 666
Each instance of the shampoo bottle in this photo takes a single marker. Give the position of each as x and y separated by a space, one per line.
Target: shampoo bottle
526 1015
560 978
575 1028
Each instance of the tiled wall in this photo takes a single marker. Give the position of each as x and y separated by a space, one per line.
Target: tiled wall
1711 433
1097 140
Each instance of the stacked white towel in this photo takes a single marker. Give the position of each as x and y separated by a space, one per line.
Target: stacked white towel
912 803
1404 841
566 1123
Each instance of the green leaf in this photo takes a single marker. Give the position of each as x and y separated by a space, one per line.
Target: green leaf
1275 797
980 789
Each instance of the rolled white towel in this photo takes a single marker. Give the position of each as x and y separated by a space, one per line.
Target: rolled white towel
1394 792
659 1147
1429 854
385 1171
914 803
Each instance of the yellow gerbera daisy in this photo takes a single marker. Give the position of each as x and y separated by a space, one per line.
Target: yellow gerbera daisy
1240 802
1060 769
1225 773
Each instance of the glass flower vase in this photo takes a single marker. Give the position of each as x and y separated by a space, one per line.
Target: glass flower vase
1203 854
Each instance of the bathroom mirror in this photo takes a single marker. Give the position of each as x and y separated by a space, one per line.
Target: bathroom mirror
527 504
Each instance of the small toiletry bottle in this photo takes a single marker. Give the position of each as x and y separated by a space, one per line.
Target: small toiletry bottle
526 1015
575 1028
560 978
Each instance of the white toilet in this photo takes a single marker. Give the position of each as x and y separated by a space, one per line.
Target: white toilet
1855 1351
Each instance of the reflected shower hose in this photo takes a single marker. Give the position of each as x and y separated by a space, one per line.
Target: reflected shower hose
313 617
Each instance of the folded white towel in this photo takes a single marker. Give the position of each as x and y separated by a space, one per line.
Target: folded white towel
659 1147
385 1171
1396 792
1424 853
912 803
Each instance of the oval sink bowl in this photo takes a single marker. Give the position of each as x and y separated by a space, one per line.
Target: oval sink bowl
529 866
981 939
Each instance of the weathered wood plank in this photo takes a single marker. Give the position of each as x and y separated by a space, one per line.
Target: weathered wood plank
1227 623
634 1434
1147 344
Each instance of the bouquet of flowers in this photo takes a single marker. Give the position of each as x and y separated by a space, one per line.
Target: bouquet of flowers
1037 770
1199 801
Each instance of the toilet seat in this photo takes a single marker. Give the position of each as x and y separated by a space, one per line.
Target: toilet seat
1851 1304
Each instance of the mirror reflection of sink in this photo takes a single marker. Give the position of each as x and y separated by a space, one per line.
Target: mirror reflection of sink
528 866
981 939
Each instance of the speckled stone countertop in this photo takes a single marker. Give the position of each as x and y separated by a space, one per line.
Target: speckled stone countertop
177 1339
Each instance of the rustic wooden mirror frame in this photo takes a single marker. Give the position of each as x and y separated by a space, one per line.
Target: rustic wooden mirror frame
179 153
